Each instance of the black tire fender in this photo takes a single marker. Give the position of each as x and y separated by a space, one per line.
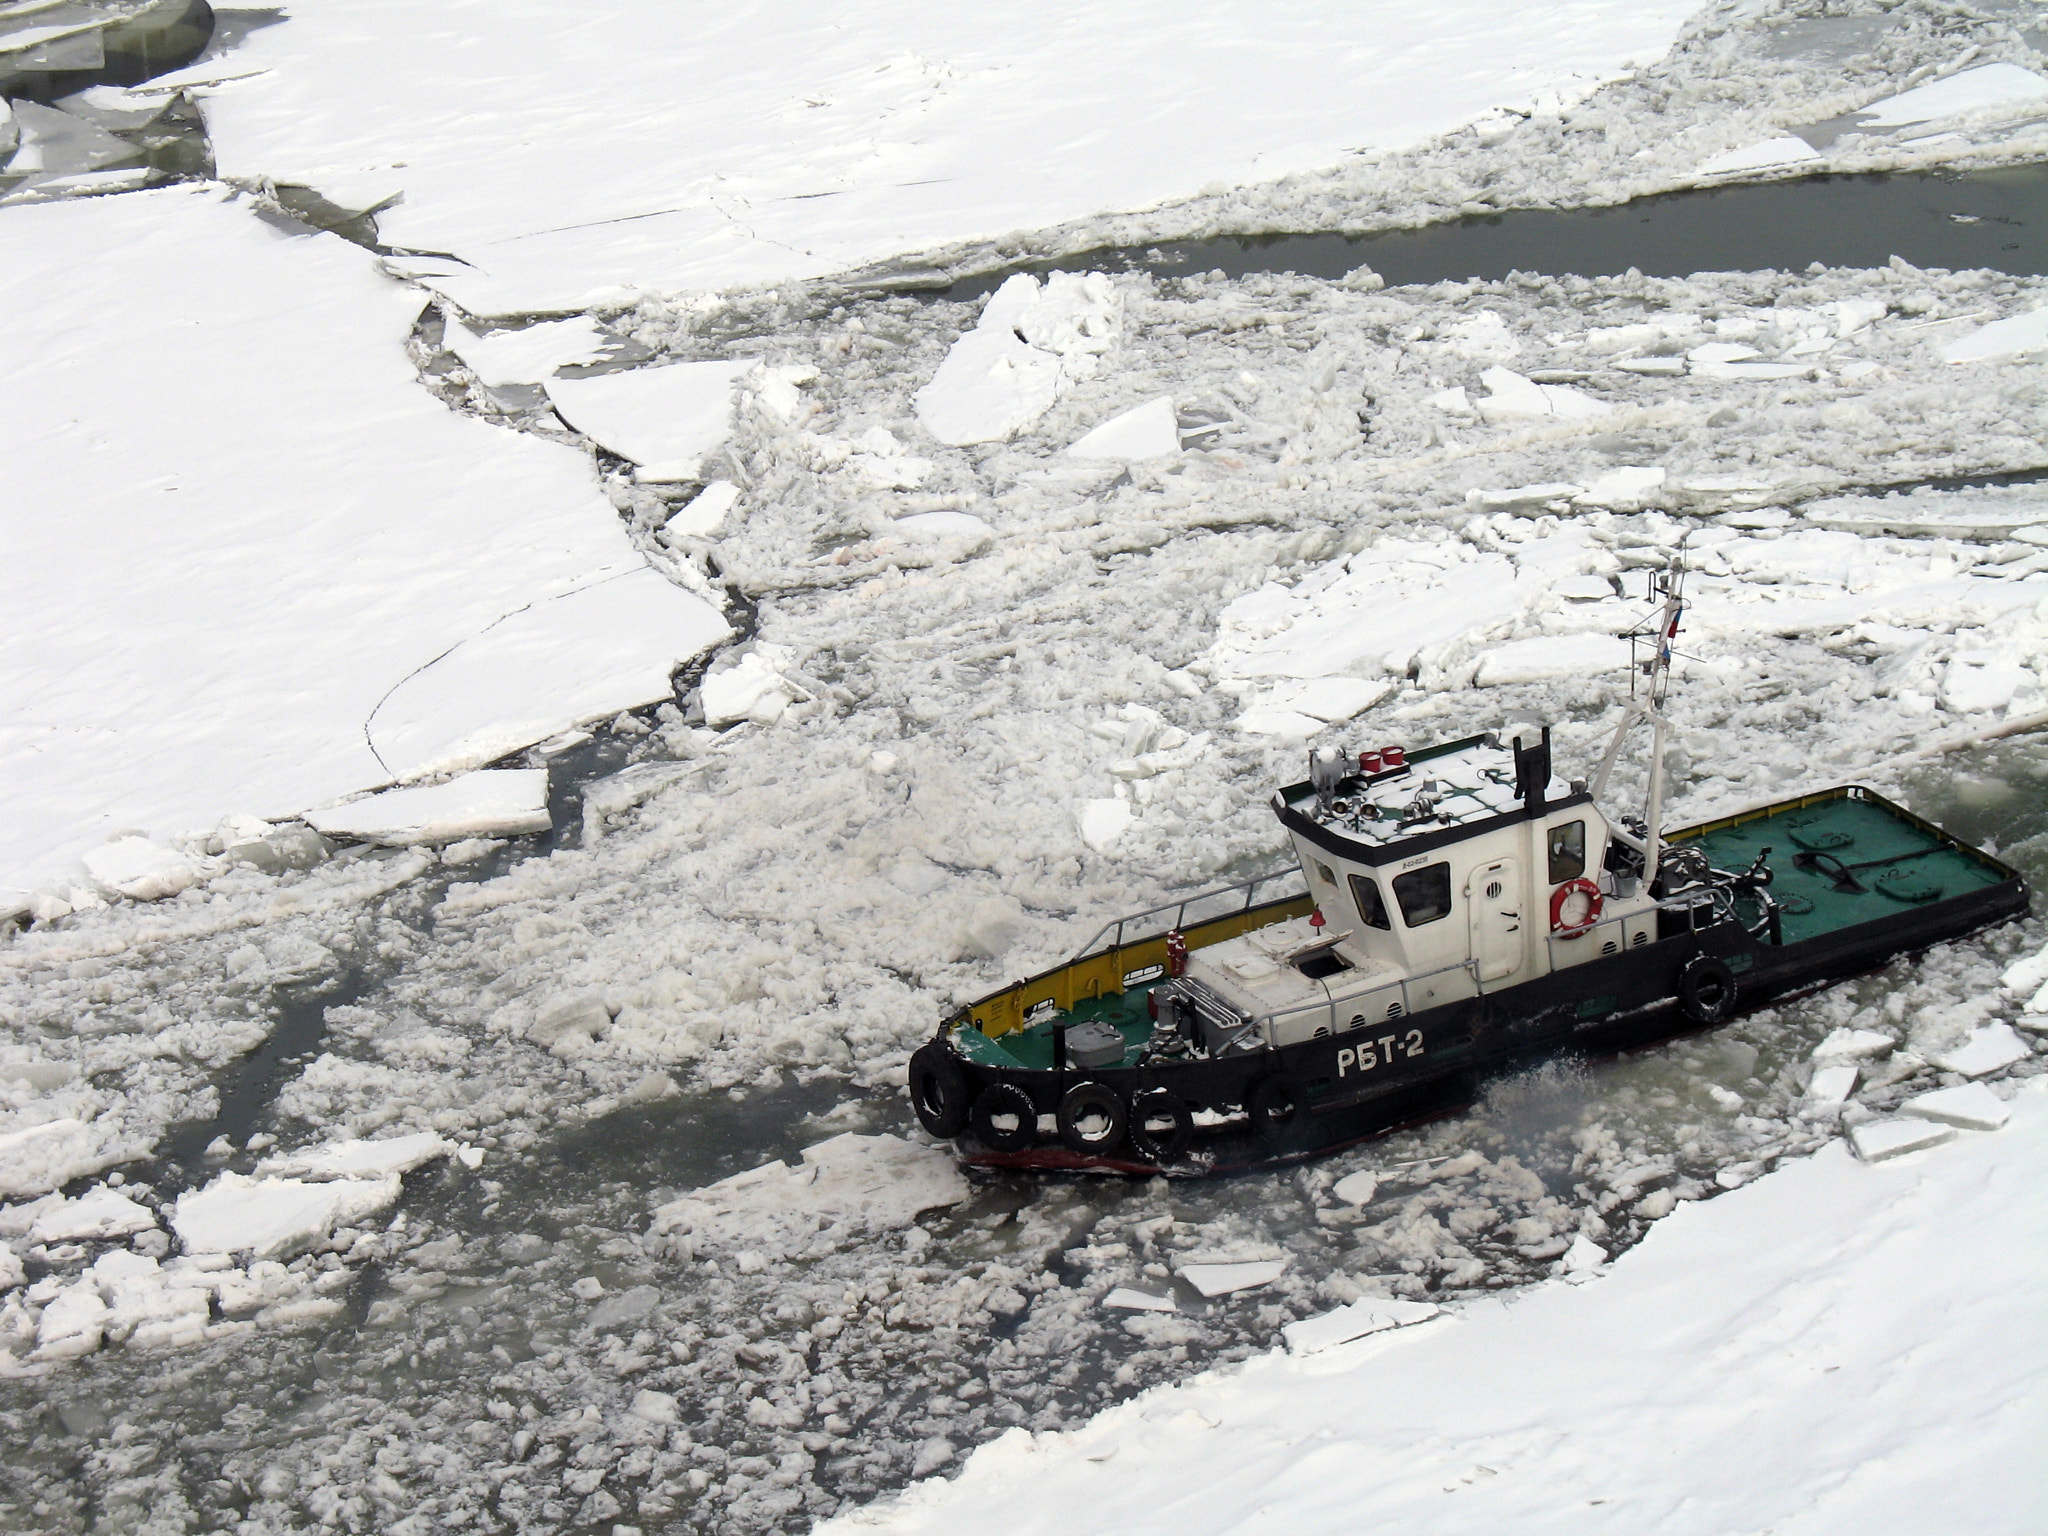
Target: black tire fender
1164 1144
1084 1104
939 1091
1706 989
1277 1106
1004 1099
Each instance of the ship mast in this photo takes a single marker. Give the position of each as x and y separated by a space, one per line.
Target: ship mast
1657 632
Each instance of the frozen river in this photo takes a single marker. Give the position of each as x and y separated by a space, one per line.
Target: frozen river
963 642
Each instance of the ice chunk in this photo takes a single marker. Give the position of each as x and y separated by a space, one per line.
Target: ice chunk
270 1216
1223 1279
582 1013
530 355
1329 699
1454 401
628 1306
1876 1140
1484 335
663 415
36 1158
1972 1106
753 688
139 869
2019 335
73 1322
1623 489
606 800
610 645
147 1306
1989 1049
1522 498
96 1215
1357 1188
1831 1086
655 1407
1975 683
55 143
704 514
1766 155
1753 371
1371 1314
1104 821
852 1183
1721 352
360 1159
1583 1255
943 525
2022 977
498 802
1147 431
1853 1045
1971 90
1005 373
1126 1299
1512 395
1549 656
1279 722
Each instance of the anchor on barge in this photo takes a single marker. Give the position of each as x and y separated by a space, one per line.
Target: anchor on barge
1458 912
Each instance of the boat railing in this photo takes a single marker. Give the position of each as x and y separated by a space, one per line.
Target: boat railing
1157 922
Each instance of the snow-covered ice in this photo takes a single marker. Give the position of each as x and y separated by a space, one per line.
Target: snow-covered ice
360 1159
1877 1140
1972 1107
1147 431
1027 346
1125 1298
1366 1316
662 418
204 616
1741 1369
2015 336
529 354
1988 1049
1222 1278
1969 90
498 802
1765 155
271 1217
802 150
99 1213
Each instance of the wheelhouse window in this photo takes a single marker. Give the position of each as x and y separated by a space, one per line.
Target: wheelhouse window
1567 852
1424 894
1372 907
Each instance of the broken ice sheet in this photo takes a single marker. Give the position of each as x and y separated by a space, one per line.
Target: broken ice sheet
1767 155
1970 90
1124 1298
1147 431
271 1217
1369 1315
505 802
1027 346
2015 336
359 1159
1876 1140
1990 1048
529 355
1972 1107
668 415
1224 1278
54 143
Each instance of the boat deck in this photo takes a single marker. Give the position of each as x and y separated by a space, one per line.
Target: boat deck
1031 1047
1899 860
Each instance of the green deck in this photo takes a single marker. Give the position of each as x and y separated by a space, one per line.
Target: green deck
1032 1047
1856 832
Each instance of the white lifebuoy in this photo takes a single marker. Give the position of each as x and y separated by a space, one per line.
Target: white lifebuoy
1563 895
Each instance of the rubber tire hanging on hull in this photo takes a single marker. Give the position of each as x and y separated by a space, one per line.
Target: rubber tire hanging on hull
938 1092
1170 1143
1706 990
1005 1099
1277 1107
1084 1102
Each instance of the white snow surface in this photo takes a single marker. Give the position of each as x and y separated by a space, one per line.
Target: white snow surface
762 144
204 611
1741 1369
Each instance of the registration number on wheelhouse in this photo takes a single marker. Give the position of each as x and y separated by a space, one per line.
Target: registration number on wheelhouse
1368 1054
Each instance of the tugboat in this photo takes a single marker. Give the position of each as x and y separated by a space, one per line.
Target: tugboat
1459 911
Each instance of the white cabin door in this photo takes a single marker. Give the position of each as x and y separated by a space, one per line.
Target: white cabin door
1493 902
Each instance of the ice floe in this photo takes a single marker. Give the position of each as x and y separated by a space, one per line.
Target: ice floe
1027 346
664 419
360 1159
1970 1107
1370 1315
846 1187
2015 336
272 1217
1765 155
219 612
1988 1049
1970 90
529 354
1147 431
1877 1140
498 802
1226 1277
